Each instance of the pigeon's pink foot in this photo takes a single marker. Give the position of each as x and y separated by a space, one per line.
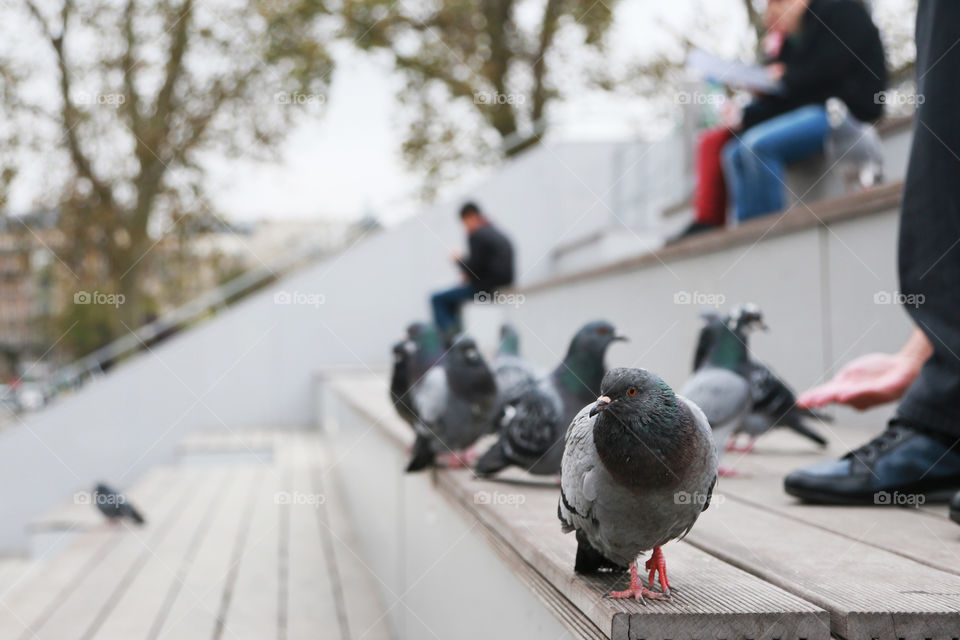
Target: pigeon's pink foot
658 564
452 460
731 444
730 472
637 591
746 448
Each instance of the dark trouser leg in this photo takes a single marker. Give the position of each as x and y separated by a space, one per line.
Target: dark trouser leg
446 307
930 222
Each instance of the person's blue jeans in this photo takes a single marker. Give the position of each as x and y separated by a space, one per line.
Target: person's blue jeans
446 307
754 163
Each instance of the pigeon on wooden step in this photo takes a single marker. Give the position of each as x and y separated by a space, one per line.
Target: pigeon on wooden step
639 467
532 422
774 403
577 378
530 432
717 385
511 370
114 505
453 404
412 358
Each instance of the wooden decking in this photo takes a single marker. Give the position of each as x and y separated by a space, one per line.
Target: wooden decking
757 565
249 541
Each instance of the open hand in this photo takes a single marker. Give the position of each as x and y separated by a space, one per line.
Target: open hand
867 381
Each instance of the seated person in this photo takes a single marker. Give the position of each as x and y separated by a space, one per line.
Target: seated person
488 266
831 49
819 49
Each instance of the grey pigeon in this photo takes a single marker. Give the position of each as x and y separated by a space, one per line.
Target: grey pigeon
114 505
533 416
718 387
639 466
774 403
511 371
453 404
412 358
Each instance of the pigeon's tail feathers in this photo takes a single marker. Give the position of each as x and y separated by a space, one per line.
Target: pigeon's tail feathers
422 455
814 414
492 461
135 515
795 423
589 560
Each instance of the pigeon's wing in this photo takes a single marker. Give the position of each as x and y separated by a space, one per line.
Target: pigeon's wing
430 396
703 346
579 472
724 398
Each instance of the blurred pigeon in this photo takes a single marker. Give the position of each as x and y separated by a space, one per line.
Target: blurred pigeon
453 404
412 358
577 379
639 467
533 416
774 403
717 385
114 506
511 371
531 429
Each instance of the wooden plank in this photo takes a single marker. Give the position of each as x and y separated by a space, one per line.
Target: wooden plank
192 611
131 547
130 613
711 597
927 537
364 614
309 606
49 583
869 592
251 606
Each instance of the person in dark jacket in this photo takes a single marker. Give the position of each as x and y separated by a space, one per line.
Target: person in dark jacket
830 49
919 452
488 266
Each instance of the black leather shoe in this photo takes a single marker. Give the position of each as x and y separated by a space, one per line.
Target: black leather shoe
955 507
900 467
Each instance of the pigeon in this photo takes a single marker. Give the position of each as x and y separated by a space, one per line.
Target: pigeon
717 385
639 467
533 417
413 357
453 405
577 378
114 506
774 402
511 371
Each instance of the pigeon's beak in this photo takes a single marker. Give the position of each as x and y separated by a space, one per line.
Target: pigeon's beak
762 325
619 337
602 403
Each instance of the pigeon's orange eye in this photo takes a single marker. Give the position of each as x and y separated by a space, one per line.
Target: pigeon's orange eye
632 391
603 331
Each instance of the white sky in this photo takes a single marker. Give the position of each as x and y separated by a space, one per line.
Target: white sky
346 160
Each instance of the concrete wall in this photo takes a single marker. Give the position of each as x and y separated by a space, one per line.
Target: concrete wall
823 291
